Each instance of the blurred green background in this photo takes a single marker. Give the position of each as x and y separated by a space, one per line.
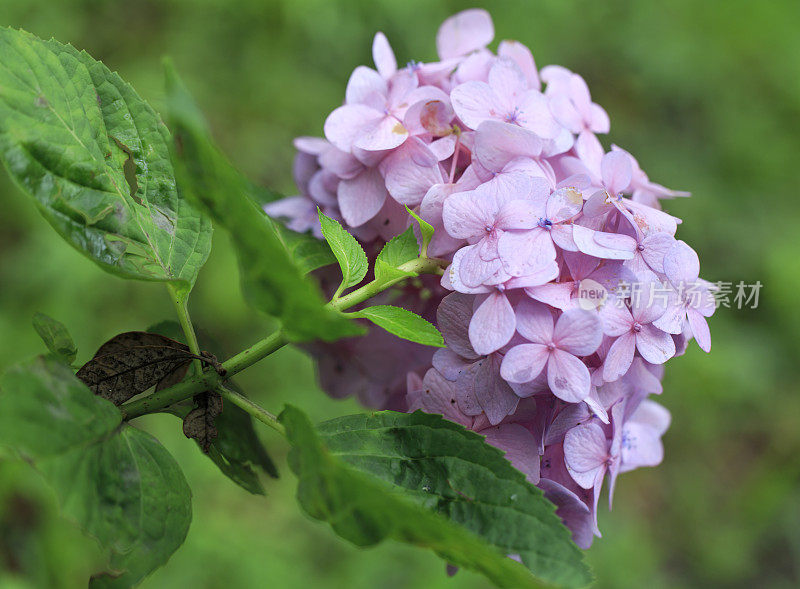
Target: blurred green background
705 94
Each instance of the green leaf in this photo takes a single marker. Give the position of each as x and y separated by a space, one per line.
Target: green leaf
442 466
363 509
95 157
397 251
349 253
117 482
403 323
237 450
308 252
271 280
55 337
45 409
425 229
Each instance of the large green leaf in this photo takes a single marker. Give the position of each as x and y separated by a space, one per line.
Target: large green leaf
443 467
95 157
117 482
408 478
272 281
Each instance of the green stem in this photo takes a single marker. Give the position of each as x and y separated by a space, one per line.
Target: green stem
369 290
211 380
256 411
182 309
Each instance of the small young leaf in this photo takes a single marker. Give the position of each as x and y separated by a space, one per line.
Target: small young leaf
350 255
199 424
404 324
55 337
397 251
426 231
272 281
132 362
95 157
117 482
367 507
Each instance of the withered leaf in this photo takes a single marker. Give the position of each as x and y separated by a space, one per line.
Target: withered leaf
199 424
132 362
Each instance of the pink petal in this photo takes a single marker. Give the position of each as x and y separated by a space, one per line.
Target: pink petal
430 116
523 363
535 322
341 163
700 331
474 102
534 114
497 143
492 325
526 252
681 265
363 82
615 318
563 204
565 112
361 198
619 357
408 182
558 295
517 214
523 58
568 377
578 331
344 124
383 56
585 453
599 119
588 241
506 78
616 172
656 246
643 448
474 271
465 215
464 32
654 345
379 134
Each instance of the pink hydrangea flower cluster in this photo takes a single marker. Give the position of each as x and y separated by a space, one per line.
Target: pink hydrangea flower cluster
568 290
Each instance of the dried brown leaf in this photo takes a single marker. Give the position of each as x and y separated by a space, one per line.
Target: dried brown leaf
132 362
199 424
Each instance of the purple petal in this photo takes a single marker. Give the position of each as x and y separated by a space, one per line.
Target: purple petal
681 265
452 317
619 357
578 332
361 198
568 377
520 447
585 453
700 331
535 322
523 363
616 172
654 345
492 325
575 514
